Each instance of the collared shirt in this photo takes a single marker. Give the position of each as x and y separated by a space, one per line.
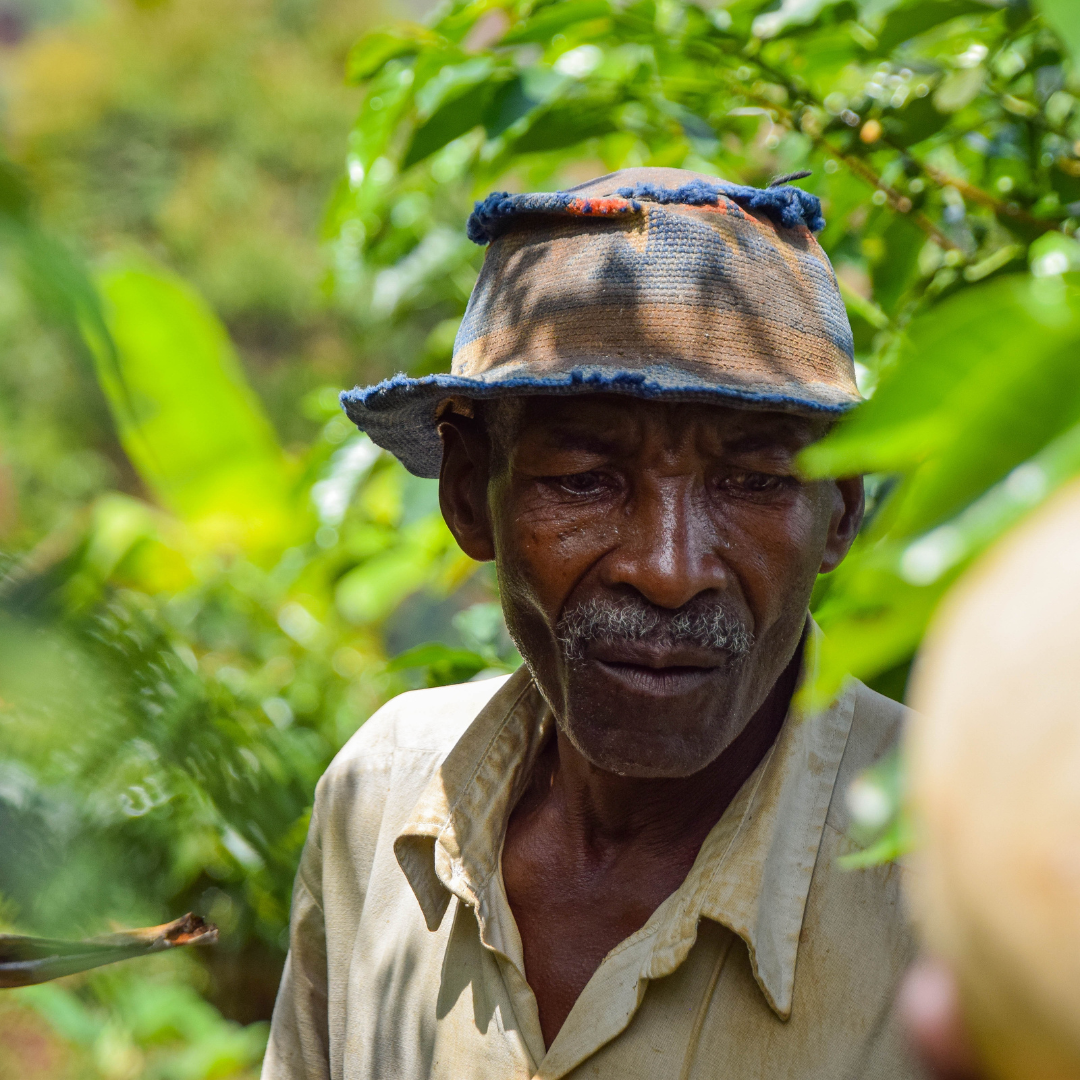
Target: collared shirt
768 962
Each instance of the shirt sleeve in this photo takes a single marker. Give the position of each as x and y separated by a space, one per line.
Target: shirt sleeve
299 1047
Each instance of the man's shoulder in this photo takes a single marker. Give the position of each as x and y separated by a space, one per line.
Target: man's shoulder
426 722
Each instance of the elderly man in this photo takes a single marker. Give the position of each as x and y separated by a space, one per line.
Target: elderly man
621 861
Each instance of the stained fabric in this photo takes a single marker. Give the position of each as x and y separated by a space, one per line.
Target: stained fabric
658 283
768 962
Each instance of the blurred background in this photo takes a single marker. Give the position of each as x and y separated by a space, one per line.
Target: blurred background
213 217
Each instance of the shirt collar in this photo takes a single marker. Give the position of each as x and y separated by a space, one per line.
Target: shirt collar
752 874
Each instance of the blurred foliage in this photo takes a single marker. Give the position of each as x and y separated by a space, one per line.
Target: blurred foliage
202 565
944 141
204 571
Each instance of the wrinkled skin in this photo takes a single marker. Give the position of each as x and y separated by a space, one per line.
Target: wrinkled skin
612 497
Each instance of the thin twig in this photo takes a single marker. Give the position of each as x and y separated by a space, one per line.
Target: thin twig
25 961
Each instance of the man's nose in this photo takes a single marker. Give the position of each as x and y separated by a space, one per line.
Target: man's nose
668 548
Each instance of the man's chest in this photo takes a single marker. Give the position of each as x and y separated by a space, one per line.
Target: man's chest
571 912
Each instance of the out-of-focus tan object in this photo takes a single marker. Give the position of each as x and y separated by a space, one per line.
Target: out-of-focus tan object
995 788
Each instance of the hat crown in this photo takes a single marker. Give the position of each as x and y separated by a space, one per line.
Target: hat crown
660 283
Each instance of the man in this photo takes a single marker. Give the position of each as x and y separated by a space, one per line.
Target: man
621 860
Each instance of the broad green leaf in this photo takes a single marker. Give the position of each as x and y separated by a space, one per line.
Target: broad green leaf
388 97
368 593
443 665
880 600
59 284
554 18
511 102
449 122
954 360
918 120
452 102
570 121
188 420
373 50
452 80
912 19
896 270
1064 17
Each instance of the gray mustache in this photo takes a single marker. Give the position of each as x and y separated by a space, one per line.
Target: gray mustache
705 625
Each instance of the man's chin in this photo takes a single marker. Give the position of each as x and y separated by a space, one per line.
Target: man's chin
626 753
650 723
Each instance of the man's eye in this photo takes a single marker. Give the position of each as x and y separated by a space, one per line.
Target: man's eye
756 483
584 483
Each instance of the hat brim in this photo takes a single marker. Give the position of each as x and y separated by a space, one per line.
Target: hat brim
401 414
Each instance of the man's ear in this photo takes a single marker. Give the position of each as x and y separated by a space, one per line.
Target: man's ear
847 515
463 486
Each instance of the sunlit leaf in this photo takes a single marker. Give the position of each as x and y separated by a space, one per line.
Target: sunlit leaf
1064 17
909 20
188 419
373 50
554 18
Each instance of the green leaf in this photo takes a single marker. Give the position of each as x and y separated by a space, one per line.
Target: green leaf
555 18
511 102
569 122
1064 17
454 101
444 664
449 122
918 120
910 20
956 357
895 272
389 95
370 591
452 80
373 50
186 415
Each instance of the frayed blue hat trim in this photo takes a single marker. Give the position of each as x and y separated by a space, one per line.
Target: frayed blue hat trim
789 207
399 413
490 216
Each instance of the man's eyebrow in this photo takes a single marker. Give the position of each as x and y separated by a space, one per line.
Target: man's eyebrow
577 438
754 442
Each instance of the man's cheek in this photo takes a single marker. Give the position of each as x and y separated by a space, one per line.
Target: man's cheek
774 556
555 539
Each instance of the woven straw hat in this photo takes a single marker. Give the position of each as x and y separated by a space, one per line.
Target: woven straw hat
658 283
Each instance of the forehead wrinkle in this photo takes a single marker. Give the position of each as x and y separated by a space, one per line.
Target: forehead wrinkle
574 437
758 442
597 425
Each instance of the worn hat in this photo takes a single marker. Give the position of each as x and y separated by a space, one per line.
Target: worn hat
657 283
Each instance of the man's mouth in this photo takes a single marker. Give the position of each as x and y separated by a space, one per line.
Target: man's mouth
642 669
657 681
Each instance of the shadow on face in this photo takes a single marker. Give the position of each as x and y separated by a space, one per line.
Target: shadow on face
655 561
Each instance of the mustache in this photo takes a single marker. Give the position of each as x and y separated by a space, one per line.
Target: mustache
704 623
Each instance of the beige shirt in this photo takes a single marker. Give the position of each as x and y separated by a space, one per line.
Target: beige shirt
405 963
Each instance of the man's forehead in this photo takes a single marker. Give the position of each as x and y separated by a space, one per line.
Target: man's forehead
619 417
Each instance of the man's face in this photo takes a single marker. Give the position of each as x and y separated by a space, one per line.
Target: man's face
655 563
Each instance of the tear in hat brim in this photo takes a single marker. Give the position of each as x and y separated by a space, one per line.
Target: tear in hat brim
400 414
